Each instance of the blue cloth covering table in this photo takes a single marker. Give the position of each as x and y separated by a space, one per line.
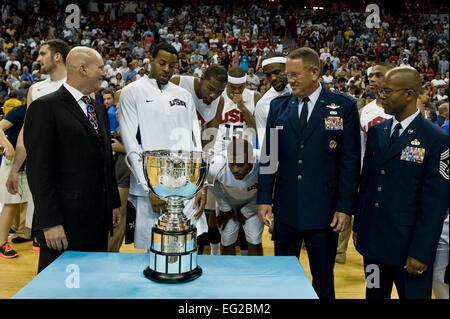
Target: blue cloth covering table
120 275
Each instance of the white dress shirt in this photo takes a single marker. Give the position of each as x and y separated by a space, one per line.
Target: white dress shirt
404 123
77 95
312 101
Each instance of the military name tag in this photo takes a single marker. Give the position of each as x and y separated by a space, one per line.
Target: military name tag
413 154
334 123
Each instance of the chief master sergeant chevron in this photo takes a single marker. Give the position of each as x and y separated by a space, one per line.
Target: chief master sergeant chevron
318 151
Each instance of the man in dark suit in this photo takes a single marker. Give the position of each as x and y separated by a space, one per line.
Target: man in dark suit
403 196
70 166
313 136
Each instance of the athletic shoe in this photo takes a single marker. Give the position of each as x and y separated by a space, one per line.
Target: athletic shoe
35 245
19 240
6 251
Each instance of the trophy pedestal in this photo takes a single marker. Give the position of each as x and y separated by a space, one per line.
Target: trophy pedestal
173 254
172 278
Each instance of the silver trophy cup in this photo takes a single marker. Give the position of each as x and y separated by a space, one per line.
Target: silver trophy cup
173 176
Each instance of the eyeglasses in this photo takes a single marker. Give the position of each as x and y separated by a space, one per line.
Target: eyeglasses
293 75
388 92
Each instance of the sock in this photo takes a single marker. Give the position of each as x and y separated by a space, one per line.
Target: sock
215 249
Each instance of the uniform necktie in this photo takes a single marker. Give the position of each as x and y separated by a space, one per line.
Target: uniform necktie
92 117
395 135
304 114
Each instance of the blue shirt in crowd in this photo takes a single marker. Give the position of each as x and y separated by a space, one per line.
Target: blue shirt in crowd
113 123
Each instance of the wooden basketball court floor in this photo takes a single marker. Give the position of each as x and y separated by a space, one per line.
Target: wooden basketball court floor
349 277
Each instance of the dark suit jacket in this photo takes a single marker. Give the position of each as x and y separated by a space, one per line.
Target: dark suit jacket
318 171
70 168
402 204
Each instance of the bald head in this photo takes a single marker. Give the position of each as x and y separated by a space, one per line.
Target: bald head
85 69
405 77
80 56
399 93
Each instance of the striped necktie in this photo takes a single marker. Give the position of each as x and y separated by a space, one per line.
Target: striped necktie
91 113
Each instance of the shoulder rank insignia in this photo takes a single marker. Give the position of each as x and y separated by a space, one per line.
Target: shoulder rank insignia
333 106
415 142
443 164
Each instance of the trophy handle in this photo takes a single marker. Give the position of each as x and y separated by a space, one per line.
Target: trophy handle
132 170
207 183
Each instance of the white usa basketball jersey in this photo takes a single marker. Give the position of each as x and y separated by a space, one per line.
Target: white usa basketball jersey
205 113
232 123
45 87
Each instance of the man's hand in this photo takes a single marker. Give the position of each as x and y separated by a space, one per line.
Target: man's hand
12 183
116 146
340 222
200 200
414 266
238 100
158 204
9 152
116 217
55 237
224 217
265 214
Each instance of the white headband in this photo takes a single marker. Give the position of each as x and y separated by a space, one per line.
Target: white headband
277 59
234 80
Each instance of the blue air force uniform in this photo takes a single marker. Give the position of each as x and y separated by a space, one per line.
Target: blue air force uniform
317 175
402 203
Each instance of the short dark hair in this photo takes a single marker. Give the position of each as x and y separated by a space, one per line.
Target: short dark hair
58 46
273 55
108 91
236 72
165 47
307 55
12 94
216 72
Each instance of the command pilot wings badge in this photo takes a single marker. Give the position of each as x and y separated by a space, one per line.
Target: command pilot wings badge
443 164
333 106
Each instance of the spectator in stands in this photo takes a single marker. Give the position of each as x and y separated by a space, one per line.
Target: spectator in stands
26 76
196 59
443 114
11 103
118 80
252 80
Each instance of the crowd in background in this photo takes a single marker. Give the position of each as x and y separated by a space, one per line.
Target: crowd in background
232 33
228 34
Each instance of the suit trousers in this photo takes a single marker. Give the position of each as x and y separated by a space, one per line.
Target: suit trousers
321 246
48 255
380 278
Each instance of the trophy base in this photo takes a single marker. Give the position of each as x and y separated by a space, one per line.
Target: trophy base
172 278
